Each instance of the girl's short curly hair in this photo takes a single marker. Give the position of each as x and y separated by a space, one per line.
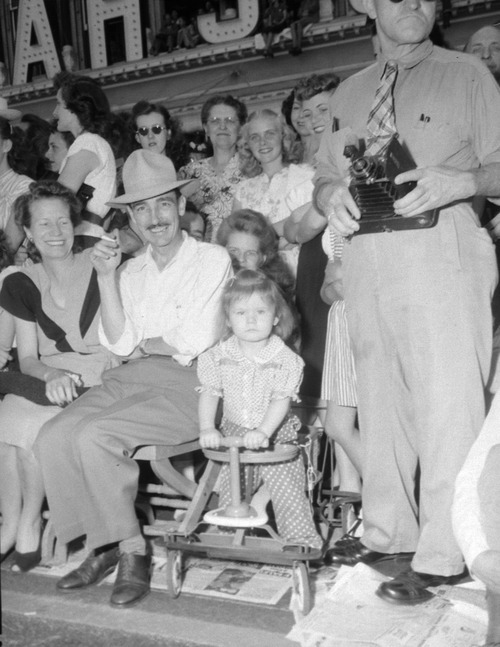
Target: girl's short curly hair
248 282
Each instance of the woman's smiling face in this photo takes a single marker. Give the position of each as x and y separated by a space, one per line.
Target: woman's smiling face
265 139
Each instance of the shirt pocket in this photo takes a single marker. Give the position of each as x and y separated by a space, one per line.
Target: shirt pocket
436 142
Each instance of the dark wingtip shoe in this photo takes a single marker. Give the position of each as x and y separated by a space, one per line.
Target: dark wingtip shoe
94 569
132 582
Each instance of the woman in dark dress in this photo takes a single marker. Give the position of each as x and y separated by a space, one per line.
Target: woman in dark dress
55 305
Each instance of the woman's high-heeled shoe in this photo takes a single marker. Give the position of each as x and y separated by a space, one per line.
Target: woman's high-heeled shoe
24 562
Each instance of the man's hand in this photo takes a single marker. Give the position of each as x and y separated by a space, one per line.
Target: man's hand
437 186
60 388
106 254
157 346
341 210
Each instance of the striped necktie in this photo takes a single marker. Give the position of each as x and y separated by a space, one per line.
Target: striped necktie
381 125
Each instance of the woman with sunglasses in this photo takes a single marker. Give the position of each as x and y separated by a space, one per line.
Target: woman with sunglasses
216 177
154 129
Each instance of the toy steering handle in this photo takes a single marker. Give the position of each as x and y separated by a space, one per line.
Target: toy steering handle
237 441
237 507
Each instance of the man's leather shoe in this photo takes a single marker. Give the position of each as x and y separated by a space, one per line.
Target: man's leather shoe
94 569
132 580
350 551
410 587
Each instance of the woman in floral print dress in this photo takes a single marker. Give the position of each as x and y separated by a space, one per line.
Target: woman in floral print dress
216 177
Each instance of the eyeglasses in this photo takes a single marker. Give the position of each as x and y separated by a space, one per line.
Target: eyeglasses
398 1
156 130
219 121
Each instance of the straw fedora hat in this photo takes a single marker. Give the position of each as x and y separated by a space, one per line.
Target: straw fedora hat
147 175
358 5
8 113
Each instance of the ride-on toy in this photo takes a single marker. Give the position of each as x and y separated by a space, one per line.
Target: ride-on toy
247 535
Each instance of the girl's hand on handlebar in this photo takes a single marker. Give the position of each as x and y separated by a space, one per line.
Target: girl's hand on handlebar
255 439
210 438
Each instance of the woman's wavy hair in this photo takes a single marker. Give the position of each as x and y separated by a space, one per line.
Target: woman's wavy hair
256 224
34 145
46 190
87 100
177 148
248 282
6 255
15 155
224 100
310 86
248 165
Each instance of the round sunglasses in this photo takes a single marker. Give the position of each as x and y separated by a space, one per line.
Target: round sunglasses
156 130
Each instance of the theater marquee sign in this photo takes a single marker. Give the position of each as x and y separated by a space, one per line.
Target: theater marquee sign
32 18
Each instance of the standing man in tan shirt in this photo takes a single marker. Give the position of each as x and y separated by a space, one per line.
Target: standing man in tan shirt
417 301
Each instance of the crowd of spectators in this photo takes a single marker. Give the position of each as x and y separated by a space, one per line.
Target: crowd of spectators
288 18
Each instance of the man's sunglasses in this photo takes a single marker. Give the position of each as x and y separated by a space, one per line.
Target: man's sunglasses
156 130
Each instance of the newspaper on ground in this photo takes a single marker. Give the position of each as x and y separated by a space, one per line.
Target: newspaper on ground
350 614
242 581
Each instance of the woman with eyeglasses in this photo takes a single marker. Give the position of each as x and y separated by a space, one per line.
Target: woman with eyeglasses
154 129
270 142
216 177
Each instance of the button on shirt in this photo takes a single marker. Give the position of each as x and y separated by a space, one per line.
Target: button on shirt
180 303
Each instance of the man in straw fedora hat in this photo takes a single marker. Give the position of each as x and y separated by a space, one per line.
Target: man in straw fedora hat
417 301
159 312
